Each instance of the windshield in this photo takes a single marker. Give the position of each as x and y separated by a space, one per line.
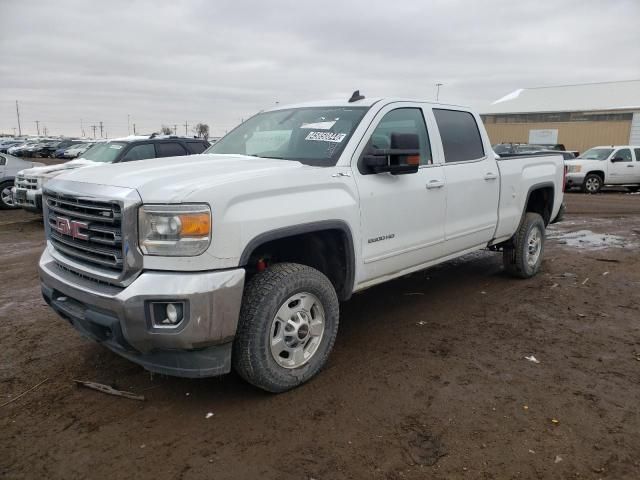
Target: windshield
103 152
314 136
596 154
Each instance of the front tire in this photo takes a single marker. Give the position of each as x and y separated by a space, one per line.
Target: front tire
288 325
524 258
6 200
592 183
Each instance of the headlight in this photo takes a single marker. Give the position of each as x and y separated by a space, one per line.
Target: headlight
574 168
174 230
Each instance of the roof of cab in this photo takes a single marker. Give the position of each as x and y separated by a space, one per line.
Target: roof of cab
366 102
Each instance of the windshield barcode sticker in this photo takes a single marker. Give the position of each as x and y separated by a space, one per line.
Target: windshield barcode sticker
326 137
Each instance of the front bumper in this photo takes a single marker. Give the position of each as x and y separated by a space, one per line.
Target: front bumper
120 318
28 199
574 179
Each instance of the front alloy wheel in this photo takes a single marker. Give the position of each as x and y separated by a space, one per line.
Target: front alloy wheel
297 330
288 324
592 184
6 199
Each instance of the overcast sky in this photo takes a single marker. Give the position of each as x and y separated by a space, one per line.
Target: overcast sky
216 62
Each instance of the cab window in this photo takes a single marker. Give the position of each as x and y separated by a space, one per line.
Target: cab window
624 154
403 120
460 136
170 149
140 152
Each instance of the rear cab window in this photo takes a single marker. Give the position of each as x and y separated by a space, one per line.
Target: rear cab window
461 139
637 152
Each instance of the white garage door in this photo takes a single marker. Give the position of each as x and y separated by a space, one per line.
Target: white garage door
634 138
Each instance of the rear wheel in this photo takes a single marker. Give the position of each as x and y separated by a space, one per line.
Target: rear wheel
592 183
524 257
6 200
288 324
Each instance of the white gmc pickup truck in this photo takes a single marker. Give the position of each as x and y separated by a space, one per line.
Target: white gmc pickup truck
239 257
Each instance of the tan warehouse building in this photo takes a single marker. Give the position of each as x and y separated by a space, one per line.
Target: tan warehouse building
578 116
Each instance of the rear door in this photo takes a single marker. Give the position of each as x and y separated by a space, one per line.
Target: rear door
624 170
402 216
472 178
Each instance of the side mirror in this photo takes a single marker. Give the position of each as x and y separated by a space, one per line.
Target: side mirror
617 159
403 157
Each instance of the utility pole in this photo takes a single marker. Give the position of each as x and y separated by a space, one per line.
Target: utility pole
94 130
81 128
128 125
186 125
18 113
438 85
134 129
175 129
101 129
38 126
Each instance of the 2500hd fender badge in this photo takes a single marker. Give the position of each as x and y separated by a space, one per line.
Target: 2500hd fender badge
389 236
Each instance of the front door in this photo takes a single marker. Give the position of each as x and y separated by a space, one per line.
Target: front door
623 169
402 216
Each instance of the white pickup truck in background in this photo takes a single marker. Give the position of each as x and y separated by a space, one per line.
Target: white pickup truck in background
239 257
600 166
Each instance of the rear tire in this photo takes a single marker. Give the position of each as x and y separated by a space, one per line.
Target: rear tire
592 183
524 258
287 328
6 201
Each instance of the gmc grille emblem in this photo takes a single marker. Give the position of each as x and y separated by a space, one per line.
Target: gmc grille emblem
66 226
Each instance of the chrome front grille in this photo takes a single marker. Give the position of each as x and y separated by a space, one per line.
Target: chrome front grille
25 182
85 230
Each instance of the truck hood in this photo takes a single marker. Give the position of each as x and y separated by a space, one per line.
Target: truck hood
172 179
52 170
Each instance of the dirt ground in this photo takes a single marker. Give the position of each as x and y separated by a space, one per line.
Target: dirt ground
427 379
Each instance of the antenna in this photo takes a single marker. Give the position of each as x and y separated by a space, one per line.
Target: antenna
355 96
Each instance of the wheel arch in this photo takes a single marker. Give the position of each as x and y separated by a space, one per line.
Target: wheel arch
540 199
346 281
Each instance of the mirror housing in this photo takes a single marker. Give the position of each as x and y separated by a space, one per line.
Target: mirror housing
402 158
617 159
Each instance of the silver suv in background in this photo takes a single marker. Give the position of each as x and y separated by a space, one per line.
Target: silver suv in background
27 192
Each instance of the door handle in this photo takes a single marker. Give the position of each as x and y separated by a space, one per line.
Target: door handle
490 176
435 184
629 166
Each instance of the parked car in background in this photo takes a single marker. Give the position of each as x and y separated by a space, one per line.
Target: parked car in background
9 167
606 165
6 144
76 150
28 186
239 257
17 149
63 146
